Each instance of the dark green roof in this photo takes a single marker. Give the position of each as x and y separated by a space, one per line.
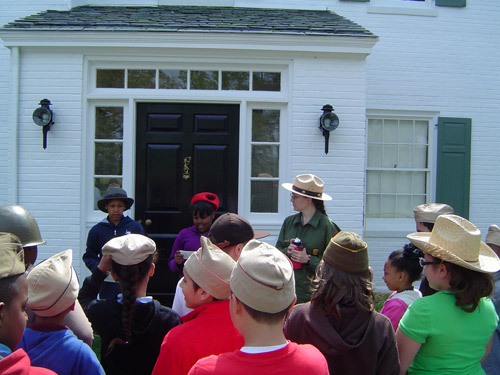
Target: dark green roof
192 19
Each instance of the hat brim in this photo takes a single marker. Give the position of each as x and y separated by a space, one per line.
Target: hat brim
101 203
324 197
488 261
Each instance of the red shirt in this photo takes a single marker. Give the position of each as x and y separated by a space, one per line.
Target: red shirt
207 330
292 359
18 363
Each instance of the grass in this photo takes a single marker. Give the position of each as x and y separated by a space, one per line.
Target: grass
96 346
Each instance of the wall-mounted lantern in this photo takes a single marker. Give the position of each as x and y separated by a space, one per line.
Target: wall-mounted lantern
328 122
43 116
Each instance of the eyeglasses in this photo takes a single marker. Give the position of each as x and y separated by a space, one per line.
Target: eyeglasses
424 262
294 196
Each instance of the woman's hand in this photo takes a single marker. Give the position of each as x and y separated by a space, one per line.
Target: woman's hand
178 257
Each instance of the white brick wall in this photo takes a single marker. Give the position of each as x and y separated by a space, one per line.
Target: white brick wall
448 63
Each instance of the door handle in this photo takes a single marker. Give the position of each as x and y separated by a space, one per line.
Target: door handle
148 222
186 175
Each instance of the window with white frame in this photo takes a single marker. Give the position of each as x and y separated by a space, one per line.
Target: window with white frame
265 160
108 149
398 167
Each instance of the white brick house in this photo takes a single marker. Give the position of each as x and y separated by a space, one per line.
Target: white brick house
429 62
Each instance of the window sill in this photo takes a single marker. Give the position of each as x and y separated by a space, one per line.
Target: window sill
427 12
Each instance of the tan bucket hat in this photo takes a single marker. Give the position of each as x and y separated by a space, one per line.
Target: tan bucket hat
308 185
429 212
493 236
458 241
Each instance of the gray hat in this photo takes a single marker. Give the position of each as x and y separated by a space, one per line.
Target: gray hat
18 220
114 192
428 212
11 256
263 278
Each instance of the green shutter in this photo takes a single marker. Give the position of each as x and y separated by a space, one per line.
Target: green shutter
453 164
451 3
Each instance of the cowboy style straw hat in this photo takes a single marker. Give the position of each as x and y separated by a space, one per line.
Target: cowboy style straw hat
308 185
458 241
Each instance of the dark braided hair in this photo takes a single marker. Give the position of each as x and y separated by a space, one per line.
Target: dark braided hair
407 260
129 277
320 206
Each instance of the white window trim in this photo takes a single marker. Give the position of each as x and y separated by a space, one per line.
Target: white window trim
389 227
407 7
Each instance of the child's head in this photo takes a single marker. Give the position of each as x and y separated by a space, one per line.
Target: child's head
13 290
263 283
203 206
344 277
402 268
206 275
53 286
132 258
426 214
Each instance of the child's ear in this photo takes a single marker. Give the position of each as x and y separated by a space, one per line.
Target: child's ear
2 309
204 296
152 270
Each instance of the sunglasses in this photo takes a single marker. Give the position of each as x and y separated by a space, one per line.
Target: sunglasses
424 262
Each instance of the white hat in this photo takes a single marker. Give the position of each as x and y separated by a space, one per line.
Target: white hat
52 285
493 236
129 249
428 212
210 268
458 241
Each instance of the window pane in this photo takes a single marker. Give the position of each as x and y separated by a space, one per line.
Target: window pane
405 156
265 161
417 200
374 131
110 78
204 80
264 196
388 182
109 122
420 159
373 205
390 157
388 206
235 80
108 158
266 81
390 131
373 181
404 183
141 79
375 156
173 79
265 125
421 131
419 184
406 131
404 206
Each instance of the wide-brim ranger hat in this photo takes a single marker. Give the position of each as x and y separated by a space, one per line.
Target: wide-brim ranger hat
210 268
308 185
458 241
231 229
114 193
53 285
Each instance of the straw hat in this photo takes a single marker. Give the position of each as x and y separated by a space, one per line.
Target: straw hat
458 241
308 185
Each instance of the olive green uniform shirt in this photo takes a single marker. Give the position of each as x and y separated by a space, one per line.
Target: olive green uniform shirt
315 236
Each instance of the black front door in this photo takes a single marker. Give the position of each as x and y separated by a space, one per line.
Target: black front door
182 149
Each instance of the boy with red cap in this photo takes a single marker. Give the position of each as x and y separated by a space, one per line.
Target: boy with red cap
208 328
263 291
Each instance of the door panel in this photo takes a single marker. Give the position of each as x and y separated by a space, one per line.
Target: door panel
182 149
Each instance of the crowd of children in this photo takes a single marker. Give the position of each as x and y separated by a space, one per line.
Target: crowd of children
244 317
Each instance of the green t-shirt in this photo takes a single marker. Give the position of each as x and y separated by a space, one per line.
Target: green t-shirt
315 236
453 341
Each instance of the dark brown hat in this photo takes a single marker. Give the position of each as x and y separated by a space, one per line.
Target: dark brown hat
114 193
231 229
